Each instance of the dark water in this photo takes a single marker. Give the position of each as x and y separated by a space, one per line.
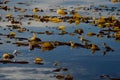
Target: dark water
81 63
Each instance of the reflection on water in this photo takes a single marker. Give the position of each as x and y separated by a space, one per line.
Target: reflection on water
13 73
76 39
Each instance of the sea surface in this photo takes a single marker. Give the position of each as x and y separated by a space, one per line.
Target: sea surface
81 63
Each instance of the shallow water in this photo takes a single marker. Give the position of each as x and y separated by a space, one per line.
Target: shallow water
81 63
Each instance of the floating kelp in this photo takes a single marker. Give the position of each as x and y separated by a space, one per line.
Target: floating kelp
34 10
57 70
83 40
49 33
109 24
4 1
72 45
56 28
8 41
13 26
90 34
21 3
46 32
59 76
7 56
115 1
105 76
47 49
18 43
56 63
13 62
38 60
34 38
12 34
107 48
1 42
79 31
61 12
34 44
8 16
94 47
4 8
62 32
16 9
47 46
68 77
21 30
55 20
20 38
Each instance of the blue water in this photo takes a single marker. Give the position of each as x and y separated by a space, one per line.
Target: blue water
81 63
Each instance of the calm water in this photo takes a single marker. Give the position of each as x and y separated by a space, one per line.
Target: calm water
80 62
